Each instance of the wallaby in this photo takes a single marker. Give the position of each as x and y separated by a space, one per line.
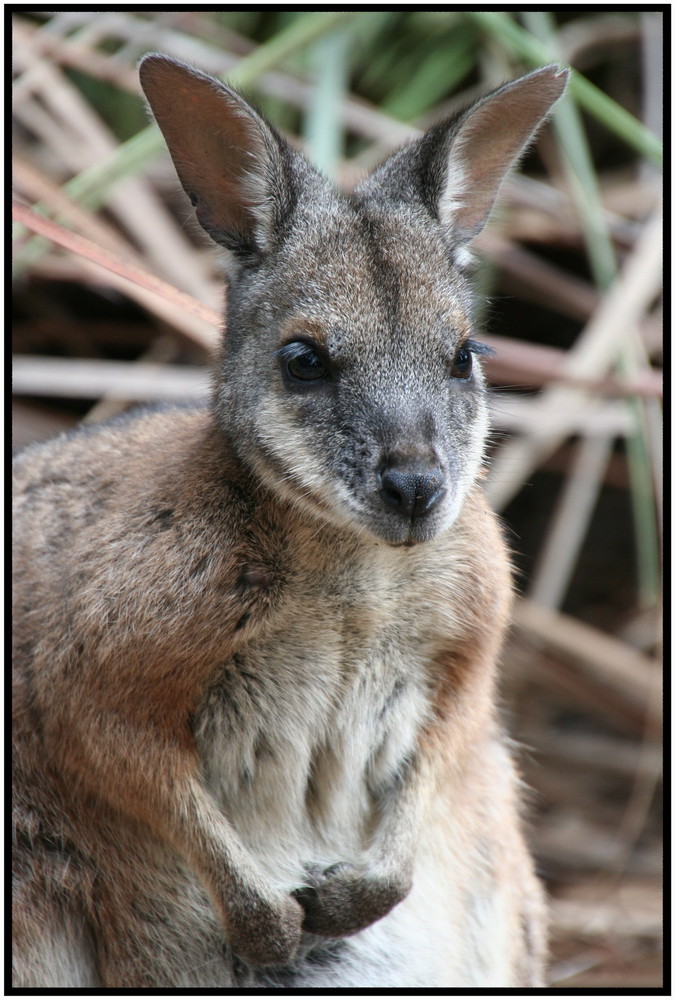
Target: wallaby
256 742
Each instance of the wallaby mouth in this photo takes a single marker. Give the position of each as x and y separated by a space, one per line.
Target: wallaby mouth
414 538
407 532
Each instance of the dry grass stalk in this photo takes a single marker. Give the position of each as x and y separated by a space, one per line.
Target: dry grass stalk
186 313
593 355
120 380
603 661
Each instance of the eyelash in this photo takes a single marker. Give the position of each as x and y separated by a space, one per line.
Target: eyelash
476 347
294 350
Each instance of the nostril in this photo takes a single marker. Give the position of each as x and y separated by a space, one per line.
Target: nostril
412 493
394 497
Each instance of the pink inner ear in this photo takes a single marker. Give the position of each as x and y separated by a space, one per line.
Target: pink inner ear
493 136
214 141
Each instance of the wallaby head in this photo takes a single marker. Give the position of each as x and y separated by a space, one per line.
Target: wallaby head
349 379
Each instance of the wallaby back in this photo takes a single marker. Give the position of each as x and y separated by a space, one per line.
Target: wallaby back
255 644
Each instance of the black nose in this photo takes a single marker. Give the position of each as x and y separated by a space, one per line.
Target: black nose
412 493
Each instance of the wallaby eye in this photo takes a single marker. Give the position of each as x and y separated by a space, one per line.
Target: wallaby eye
303 363
307 367
462 363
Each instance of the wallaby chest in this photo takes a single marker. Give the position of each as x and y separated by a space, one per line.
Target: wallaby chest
320 708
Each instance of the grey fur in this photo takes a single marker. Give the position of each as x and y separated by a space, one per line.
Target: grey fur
255 646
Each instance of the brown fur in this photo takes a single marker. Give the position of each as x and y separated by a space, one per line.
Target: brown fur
254 710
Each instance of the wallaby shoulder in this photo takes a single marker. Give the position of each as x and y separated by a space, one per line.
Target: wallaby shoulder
159 526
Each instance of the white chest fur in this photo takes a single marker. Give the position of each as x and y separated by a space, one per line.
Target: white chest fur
308 722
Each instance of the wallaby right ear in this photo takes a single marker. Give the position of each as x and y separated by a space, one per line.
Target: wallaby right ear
234 167
456 168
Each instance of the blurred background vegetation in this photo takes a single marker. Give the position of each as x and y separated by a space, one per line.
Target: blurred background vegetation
117 296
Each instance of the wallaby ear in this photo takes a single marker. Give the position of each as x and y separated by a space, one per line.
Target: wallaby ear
457 167
492 136
233 165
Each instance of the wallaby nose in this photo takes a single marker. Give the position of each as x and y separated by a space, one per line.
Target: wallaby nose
412 493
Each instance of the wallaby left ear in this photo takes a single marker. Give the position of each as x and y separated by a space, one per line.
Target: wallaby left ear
457 167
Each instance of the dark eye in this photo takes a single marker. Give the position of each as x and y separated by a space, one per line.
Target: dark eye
303 363
462 363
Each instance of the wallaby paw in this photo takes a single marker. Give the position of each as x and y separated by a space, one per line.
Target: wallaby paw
265 933
343 901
